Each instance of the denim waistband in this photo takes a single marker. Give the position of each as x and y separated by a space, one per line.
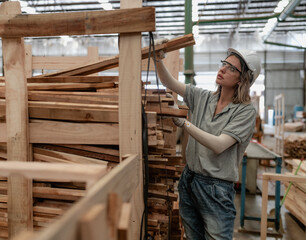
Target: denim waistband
209 179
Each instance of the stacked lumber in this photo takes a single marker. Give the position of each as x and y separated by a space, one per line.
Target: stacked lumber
295 200
295 146
165 168
76 104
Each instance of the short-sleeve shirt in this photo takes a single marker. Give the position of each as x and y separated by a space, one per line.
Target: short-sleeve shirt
235 120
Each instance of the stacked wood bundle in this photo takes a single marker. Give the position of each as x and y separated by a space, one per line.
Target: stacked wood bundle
165 167
295 200
85 108
295 146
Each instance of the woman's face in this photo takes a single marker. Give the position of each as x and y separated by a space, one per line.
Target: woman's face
229 72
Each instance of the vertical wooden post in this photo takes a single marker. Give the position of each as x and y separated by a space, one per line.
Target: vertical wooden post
130 109
19 188
264 208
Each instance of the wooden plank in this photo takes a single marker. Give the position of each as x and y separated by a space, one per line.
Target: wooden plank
69 133
49 155
124 221
130 56
93 225
66 172
112 62
66 228
73 79
17 136
78 23
114 204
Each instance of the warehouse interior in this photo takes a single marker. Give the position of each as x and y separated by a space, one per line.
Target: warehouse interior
275 29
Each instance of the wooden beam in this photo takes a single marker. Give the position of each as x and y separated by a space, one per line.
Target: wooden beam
74 79
17 136
112 62
78 23
94 224
69 133
130 109
89 173
67 227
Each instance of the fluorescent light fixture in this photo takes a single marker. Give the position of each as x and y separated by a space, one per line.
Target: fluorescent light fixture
25 8
281 6
105 4
195 10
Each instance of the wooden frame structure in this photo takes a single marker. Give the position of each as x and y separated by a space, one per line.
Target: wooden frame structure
266 177
13 27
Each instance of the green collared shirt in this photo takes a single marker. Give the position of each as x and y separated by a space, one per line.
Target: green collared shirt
235 120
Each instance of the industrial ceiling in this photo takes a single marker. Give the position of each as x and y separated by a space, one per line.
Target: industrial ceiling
223 17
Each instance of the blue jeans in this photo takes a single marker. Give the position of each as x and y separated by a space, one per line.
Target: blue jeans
206 206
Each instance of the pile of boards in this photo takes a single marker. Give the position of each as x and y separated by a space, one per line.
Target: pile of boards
75 98
95 100
295 200
295 146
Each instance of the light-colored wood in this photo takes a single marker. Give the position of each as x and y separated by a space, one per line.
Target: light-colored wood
112 62
69 133
114 204
93 224
59 171
78 23
17 137
124 221
130 132
67 227
264 206
73 79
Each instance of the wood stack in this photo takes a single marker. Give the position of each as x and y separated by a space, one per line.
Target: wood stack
165 168
295 200
85 108
295 146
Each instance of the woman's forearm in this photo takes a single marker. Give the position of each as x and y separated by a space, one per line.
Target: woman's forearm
215 143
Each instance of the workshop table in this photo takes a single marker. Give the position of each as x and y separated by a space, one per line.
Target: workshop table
256 151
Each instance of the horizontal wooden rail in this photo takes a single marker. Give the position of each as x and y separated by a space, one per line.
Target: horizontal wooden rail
78 23
122 180
54 132
89 173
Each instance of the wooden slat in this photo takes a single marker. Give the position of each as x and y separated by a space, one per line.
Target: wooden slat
66 172
112 62
73 79
130 56
93 225
69 133
17 136
78 23
67 227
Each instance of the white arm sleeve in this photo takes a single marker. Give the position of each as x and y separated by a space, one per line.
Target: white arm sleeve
215 143
168 80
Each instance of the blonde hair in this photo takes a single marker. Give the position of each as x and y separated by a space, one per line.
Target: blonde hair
242 90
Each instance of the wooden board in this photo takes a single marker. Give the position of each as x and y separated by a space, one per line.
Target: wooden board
78 23
67 228
17 136
69 133
112 62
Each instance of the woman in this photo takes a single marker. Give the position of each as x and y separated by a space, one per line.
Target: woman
220 129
